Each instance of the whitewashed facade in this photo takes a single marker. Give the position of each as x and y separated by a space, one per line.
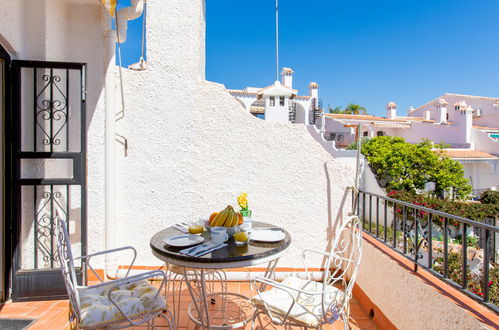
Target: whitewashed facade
468 124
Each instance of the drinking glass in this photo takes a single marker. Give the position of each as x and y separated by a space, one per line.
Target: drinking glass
195 227
241 236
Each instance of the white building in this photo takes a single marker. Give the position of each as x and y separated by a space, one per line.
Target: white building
279 102
468 124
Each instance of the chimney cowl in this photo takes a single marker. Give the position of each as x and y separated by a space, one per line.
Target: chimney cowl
313 85
391 105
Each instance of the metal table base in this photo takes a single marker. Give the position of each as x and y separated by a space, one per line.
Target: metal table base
222 309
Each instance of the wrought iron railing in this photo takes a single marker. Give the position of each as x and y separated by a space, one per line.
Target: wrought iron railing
292 112
459 251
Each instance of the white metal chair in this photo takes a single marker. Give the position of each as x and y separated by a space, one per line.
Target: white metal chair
307 303
121 303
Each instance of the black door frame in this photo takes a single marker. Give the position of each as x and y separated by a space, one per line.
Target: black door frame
6 228
35 284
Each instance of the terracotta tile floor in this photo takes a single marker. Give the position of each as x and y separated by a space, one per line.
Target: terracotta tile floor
54 314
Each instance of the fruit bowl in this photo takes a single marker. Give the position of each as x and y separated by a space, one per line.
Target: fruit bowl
228 218
230 230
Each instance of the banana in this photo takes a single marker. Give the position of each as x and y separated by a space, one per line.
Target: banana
235 219
228 221
221 218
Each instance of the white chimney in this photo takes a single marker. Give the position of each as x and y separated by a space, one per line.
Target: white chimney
442 111
313 88
287 77
468 124
465 121
427 115
391 110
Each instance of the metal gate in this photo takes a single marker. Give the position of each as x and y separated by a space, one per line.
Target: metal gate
48 166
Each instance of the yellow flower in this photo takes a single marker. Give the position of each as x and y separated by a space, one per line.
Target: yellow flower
242 200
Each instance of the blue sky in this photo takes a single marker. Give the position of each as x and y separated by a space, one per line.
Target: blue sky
361 51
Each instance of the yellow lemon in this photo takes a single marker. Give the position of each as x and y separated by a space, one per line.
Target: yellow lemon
241 236
196 229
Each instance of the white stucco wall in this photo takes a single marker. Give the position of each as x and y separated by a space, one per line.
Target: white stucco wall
220 151
405 299
484 142
482 174
335 126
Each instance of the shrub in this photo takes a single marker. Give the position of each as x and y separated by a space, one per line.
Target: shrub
473 211
475 282
353 145
490 197
408 167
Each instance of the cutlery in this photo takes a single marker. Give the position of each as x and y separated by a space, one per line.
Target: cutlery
205 250
270 228
201 246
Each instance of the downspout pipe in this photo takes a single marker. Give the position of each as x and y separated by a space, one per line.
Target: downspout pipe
110 149
110 38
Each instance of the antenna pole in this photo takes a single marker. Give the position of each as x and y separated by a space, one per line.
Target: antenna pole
276 40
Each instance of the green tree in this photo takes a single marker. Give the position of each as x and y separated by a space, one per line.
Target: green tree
351 109
407 167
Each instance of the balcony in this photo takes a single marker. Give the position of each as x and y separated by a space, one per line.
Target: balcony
396 274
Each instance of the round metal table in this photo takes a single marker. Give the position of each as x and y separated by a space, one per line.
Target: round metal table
230 256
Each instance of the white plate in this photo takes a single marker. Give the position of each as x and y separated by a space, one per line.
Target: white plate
184 240
267 235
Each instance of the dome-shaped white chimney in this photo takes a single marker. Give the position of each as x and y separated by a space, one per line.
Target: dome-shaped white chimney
391 110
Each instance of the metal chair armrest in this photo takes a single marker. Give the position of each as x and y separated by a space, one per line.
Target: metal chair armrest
303 254
124 248
282 286
129 279
276 285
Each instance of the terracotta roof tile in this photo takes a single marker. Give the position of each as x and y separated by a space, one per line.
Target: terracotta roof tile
486 128
375 118
462 153
257 109
240 92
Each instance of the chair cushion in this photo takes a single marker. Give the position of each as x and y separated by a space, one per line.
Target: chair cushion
135 299
308 308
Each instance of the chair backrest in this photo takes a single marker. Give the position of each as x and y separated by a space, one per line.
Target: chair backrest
67 264
343 263
176 202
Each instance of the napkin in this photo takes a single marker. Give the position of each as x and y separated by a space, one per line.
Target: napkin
202 249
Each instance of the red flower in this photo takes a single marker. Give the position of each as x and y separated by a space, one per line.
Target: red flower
490 283
480 293
391 193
